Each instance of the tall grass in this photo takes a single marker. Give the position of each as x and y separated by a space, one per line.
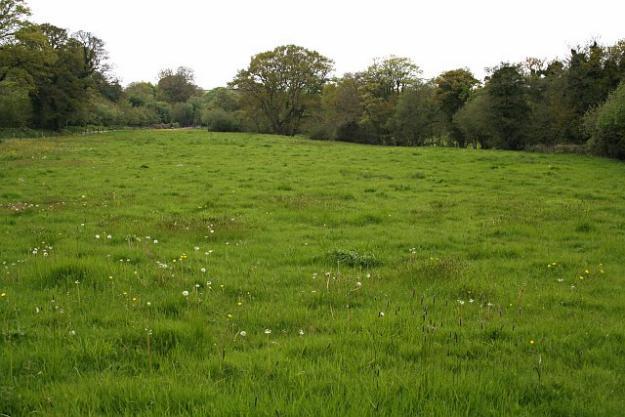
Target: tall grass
187 273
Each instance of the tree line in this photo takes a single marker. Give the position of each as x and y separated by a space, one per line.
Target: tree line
51 79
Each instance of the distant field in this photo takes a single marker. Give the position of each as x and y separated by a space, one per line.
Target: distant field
187 273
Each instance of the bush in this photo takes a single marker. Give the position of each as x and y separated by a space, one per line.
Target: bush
219 120
474 121
105 113
140 116
320 132
183 113
417 118
606 126
352 258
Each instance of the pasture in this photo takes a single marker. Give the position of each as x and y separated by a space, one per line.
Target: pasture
187 273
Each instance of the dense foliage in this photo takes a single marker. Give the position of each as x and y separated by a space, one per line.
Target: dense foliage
606 125
281 86
50 79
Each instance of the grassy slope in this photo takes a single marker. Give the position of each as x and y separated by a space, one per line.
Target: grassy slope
483 227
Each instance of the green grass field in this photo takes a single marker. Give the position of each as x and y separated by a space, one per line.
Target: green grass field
187 273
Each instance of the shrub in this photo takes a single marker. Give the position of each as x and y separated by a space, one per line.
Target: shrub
352 258
141 116
606 125
219 120
474 121
320 132
183 114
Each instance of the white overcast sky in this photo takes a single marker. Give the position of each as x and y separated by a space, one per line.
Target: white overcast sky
216 38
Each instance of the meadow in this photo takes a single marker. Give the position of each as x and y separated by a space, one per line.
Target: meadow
188 273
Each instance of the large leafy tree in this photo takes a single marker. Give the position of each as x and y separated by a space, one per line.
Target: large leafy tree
340 111
498 115
417 117
178 86
452 90
13 14
283 85
62 93
551 116
474 120
388 77
23 62
380 86
507 90
58 70
593 72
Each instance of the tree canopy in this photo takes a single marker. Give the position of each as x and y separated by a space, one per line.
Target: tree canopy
282 84
51 78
